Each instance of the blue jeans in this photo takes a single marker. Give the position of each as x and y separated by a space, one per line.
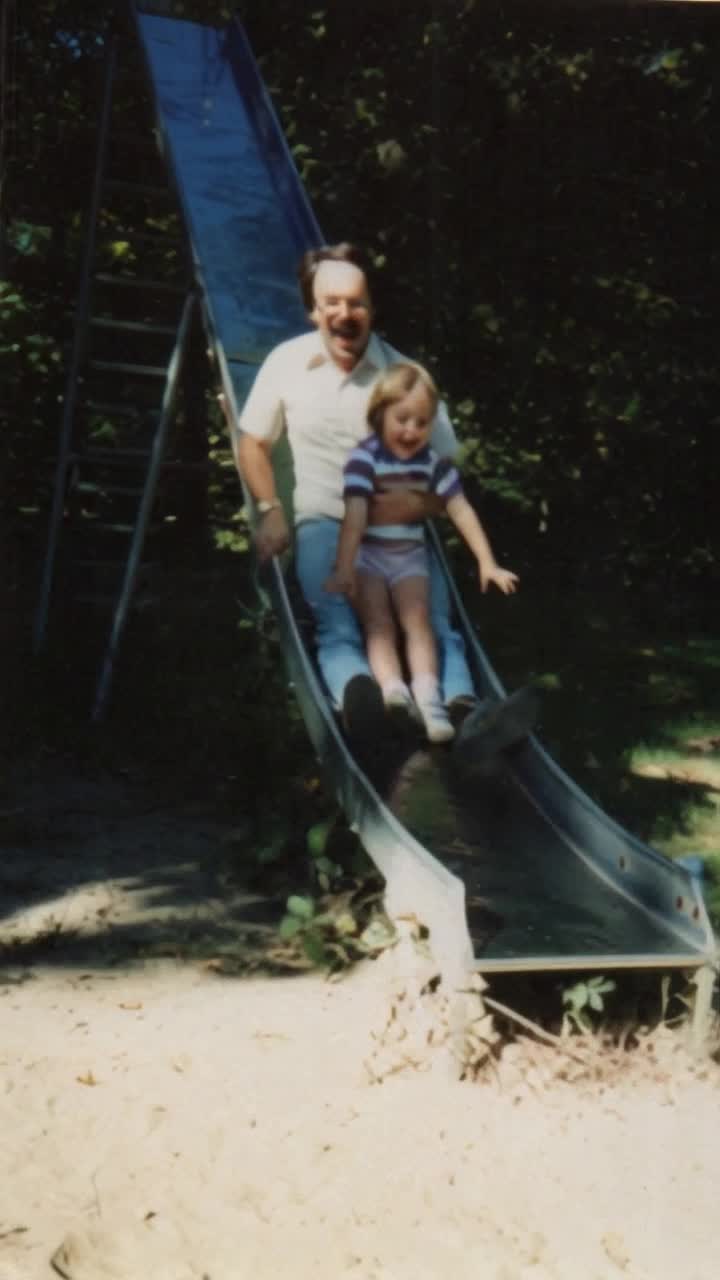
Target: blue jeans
339 638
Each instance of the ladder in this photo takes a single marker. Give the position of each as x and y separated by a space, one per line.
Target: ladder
136 316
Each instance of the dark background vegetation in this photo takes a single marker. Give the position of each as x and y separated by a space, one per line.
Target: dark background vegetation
538 187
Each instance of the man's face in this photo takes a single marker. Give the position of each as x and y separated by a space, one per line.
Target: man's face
342 311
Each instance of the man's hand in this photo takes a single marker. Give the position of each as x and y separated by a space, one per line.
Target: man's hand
404 507
343 582
504 579
272 535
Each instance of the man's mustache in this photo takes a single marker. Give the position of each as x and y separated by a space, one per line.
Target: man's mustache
345 329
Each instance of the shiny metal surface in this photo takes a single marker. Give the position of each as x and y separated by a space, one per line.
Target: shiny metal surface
518 871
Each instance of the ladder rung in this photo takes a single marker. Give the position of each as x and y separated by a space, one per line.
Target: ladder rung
103 526
132 282
150 566
139 370
110 457
138 188
160 239
133 140
130 73
144 141
133 326
131 458
175 464
89 486
121 410
137 601
163 239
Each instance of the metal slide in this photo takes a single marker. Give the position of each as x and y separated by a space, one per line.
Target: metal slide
523 872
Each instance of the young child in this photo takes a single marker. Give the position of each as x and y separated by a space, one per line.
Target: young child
384 569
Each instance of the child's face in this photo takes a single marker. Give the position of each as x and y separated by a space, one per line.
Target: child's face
407 423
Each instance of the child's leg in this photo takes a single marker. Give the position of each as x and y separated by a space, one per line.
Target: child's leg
411 598
374 608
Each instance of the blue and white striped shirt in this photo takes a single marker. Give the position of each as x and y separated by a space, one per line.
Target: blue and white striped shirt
371 468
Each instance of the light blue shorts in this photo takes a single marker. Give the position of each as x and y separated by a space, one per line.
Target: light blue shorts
392 564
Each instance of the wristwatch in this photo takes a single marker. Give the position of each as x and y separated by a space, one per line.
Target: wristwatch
267 504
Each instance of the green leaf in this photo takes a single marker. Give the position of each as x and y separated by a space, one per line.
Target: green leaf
631 410
576 996
378 934
303 908
289 926
317 838
315 949
345 923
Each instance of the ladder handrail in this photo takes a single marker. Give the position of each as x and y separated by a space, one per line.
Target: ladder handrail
78 349
145 508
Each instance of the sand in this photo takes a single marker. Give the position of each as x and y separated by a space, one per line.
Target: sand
162 1118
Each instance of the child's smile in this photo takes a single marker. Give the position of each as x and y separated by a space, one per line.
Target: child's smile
407 423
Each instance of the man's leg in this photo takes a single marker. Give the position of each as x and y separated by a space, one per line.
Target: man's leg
493 727
455 678
340 644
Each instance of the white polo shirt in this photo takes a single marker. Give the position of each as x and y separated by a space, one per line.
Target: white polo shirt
299 389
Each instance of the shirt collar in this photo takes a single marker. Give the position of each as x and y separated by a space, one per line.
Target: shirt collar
373 355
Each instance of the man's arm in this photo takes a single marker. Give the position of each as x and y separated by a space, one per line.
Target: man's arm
272 535
261 425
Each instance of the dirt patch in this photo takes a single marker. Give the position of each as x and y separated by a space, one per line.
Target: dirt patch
108 871
162 1119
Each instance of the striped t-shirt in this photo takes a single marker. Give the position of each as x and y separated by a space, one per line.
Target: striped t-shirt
371 468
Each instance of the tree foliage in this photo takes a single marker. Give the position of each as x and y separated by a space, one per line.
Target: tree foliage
536 187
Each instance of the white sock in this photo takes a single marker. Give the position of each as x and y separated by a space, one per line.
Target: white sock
425 688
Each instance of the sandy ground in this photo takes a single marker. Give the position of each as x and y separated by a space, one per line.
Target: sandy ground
160 1119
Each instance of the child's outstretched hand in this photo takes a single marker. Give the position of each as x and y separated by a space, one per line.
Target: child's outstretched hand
342 582
504 579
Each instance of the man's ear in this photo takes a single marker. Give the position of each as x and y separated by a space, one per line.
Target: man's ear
314 315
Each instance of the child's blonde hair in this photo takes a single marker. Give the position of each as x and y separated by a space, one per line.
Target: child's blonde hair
393 385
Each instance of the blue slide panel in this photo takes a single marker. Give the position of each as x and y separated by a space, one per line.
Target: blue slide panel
246 214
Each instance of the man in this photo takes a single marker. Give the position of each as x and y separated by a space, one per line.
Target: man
316 387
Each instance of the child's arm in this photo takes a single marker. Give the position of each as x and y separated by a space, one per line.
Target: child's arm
467 524
342 579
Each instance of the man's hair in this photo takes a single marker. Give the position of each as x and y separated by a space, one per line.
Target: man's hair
393 385
310 261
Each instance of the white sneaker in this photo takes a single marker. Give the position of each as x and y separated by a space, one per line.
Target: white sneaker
436 720
402 713
398 695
